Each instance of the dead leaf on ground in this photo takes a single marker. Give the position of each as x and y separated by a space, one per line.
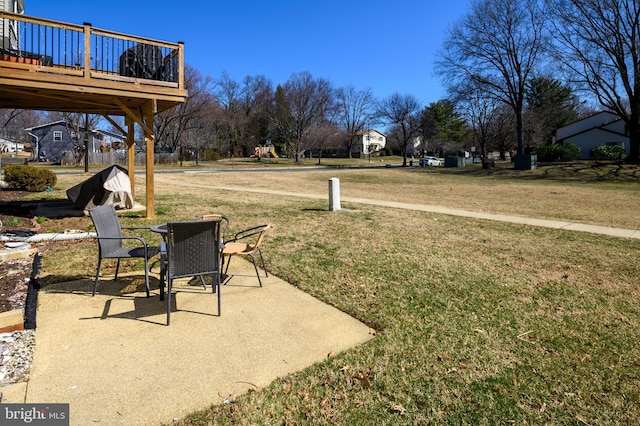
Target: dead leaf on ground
581 419
398 409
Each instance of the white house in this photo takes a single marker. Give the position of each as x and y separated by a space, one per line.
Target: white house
7 145
603 128
368 142
10 39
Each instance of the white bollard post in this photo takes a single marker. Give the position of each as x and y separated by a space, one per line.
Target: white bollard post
334 194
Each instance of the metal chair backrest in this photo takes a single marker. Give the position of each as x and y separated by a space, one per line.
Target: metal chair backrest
262 231
107 224
224 223
193 247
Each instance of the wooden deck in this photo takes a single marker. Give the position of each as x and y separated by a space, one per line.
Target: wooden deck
54 66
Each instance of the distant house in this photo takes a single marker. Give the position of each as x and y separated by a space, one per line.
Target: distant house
368 142
603 128
51 140
7 145
104 141
9 28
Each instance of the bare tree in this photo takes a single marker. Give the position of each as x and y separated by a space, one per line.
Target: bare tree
497 46
14 121
502 131
324 137
79 126
599 46
172 126
243 109
480 110
356 109
301 103
403 113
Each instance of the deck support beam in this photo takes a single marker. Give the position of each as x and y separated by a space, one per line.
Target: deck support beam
131 153
149 112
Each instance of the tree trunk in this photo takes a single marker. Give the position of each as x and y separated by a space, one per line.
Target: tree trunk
519 132
634 140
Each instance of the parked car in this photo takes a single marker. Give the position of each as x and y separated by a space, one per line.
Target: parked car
429 161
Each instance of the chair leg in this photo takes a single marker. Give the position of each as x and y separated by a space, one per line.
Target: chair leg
264 267
228 263
95 283
255 265
168 301
163 272
117 269
146 274
216 283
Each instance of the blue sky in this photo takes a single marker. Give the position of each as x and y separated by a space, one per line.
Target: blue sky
386 46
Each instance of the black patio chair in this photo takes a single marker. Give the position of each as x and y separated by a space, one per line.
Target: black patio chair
224 226
193 250
110 242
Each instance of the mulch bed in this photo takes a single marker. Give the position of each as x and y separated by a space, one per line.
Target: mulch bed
18 216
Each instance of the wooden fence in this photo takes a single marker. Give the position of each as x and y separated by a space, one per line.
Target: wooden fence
118 158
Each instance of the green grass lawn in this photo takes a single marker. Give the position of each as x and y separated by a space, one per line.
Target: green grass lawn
476 322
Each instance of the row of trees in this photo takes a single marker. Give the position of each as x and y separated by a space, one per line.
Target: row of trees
301 115
307 114
494 57
513 71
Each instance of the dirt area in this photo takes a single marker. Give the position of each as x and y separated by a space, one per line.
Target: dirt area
18 216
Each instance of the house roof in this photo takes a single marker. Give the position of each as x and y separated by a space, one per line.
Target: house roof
366 132
54 123
42 126
599 121
109 133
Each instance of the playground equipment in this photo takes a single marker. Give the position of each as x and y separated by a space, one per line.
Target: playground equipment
265 152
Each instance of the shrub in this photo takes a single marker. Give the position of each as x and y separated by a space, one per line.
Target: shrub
608 152
549 153
571 151
32 179
556 152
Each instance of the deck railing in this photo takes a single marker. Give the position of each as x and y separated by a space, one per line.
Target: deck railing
83 50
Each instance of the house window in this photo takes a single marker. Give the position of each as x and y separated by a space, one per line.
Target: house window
57 136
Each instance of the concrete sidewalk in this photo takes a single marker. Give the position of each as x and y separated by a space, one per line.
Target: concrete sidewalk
113 359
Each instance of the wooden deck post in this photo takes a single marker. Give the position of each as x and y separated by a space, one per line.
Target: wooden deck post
149 112
131 153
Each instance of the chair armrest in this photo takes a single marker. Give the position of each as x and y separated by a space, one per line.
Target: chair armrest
142 240
246 233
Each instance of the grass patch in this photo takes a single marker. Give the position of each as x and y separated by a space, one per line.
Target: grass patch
477 322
